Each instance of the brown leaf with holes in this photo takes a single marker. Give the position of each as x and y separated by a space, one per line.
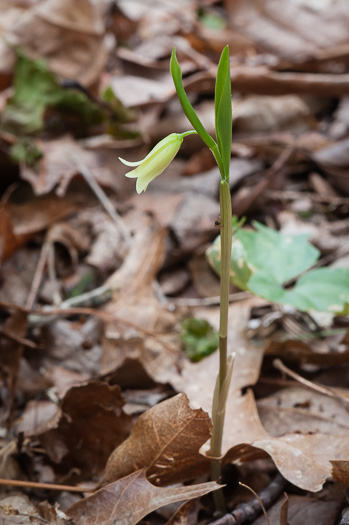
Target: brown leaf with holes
90 424
165 440
128 500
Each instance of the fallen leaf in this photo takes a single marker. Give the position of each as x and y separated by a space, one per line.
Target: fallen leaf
165 440
89 425
128 500
340 471
52 29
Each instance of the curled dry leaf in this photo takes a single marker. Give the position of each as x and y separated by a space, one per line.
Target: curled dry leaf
128 500
88 427
165 440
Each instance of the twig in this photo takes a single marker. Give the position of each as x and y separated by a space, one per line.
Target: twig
247 512
38 274
19 340
284 511
208 301
50 313
259 499
309 384
103 198
46 486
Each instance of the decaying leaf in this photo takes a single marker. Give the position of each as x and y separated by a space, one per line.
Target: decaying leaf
165 440
128 500
90 424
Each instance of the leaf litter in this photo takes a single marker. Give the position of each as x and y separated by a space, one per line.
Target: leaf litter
96 391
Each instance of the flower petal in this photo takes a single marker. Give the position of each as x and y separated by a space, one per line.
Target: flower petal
128 163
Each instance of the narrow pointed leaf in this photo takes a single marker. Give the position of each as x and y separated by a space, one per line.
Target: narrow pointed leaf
186 105
223 110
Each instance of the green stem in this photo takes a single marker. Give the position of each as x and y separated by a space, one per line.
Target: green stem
225 367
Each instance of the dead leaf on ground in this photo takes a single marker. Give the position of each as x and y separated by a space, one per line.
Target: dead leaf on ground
71 37
21 221
60 163
289 32
321 509
128 500
18 510
165 440
89 425
340 471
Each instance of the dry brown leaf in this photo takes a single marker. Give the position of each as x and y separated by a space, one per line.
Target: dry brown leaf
139 314
89 425
187 514
289 32
60 164
165 440
340 471
128 500
319 509
18 510
19 222
69 36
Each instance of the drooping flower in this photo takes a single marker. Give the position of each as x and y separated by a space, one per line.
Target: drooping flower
156 161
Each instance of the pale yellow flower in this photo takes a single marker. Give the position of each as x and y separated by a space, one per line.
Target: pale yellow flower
156 161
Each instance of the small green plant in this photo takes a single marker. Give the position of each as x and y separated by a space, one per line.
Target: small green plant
152 166
264 261
199 338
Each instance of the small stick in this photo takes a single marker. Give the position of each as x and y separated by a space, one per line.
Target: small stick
208 301
259 499
38 274
309 384
246 512
19 340
46 486
103 198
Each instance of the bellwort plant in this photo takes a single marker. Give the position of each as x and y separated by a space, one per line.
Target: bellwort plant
152 166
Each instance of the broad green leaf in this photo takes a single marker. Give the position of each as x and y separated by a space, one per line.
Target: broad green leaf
323 289
199 338
283 256
185 103
263 261
223 110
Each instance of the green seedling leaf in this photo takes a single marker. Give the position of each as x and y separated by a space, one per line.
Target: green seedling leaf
223 110
199 338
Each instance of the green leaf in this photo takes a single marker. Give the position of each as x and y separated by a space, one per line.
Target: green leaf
263 261
186 105
36 88
199 338
283 256
323 289
223 110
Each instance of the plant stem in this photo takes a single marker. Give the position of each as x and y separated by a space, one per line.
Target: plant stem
225 367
